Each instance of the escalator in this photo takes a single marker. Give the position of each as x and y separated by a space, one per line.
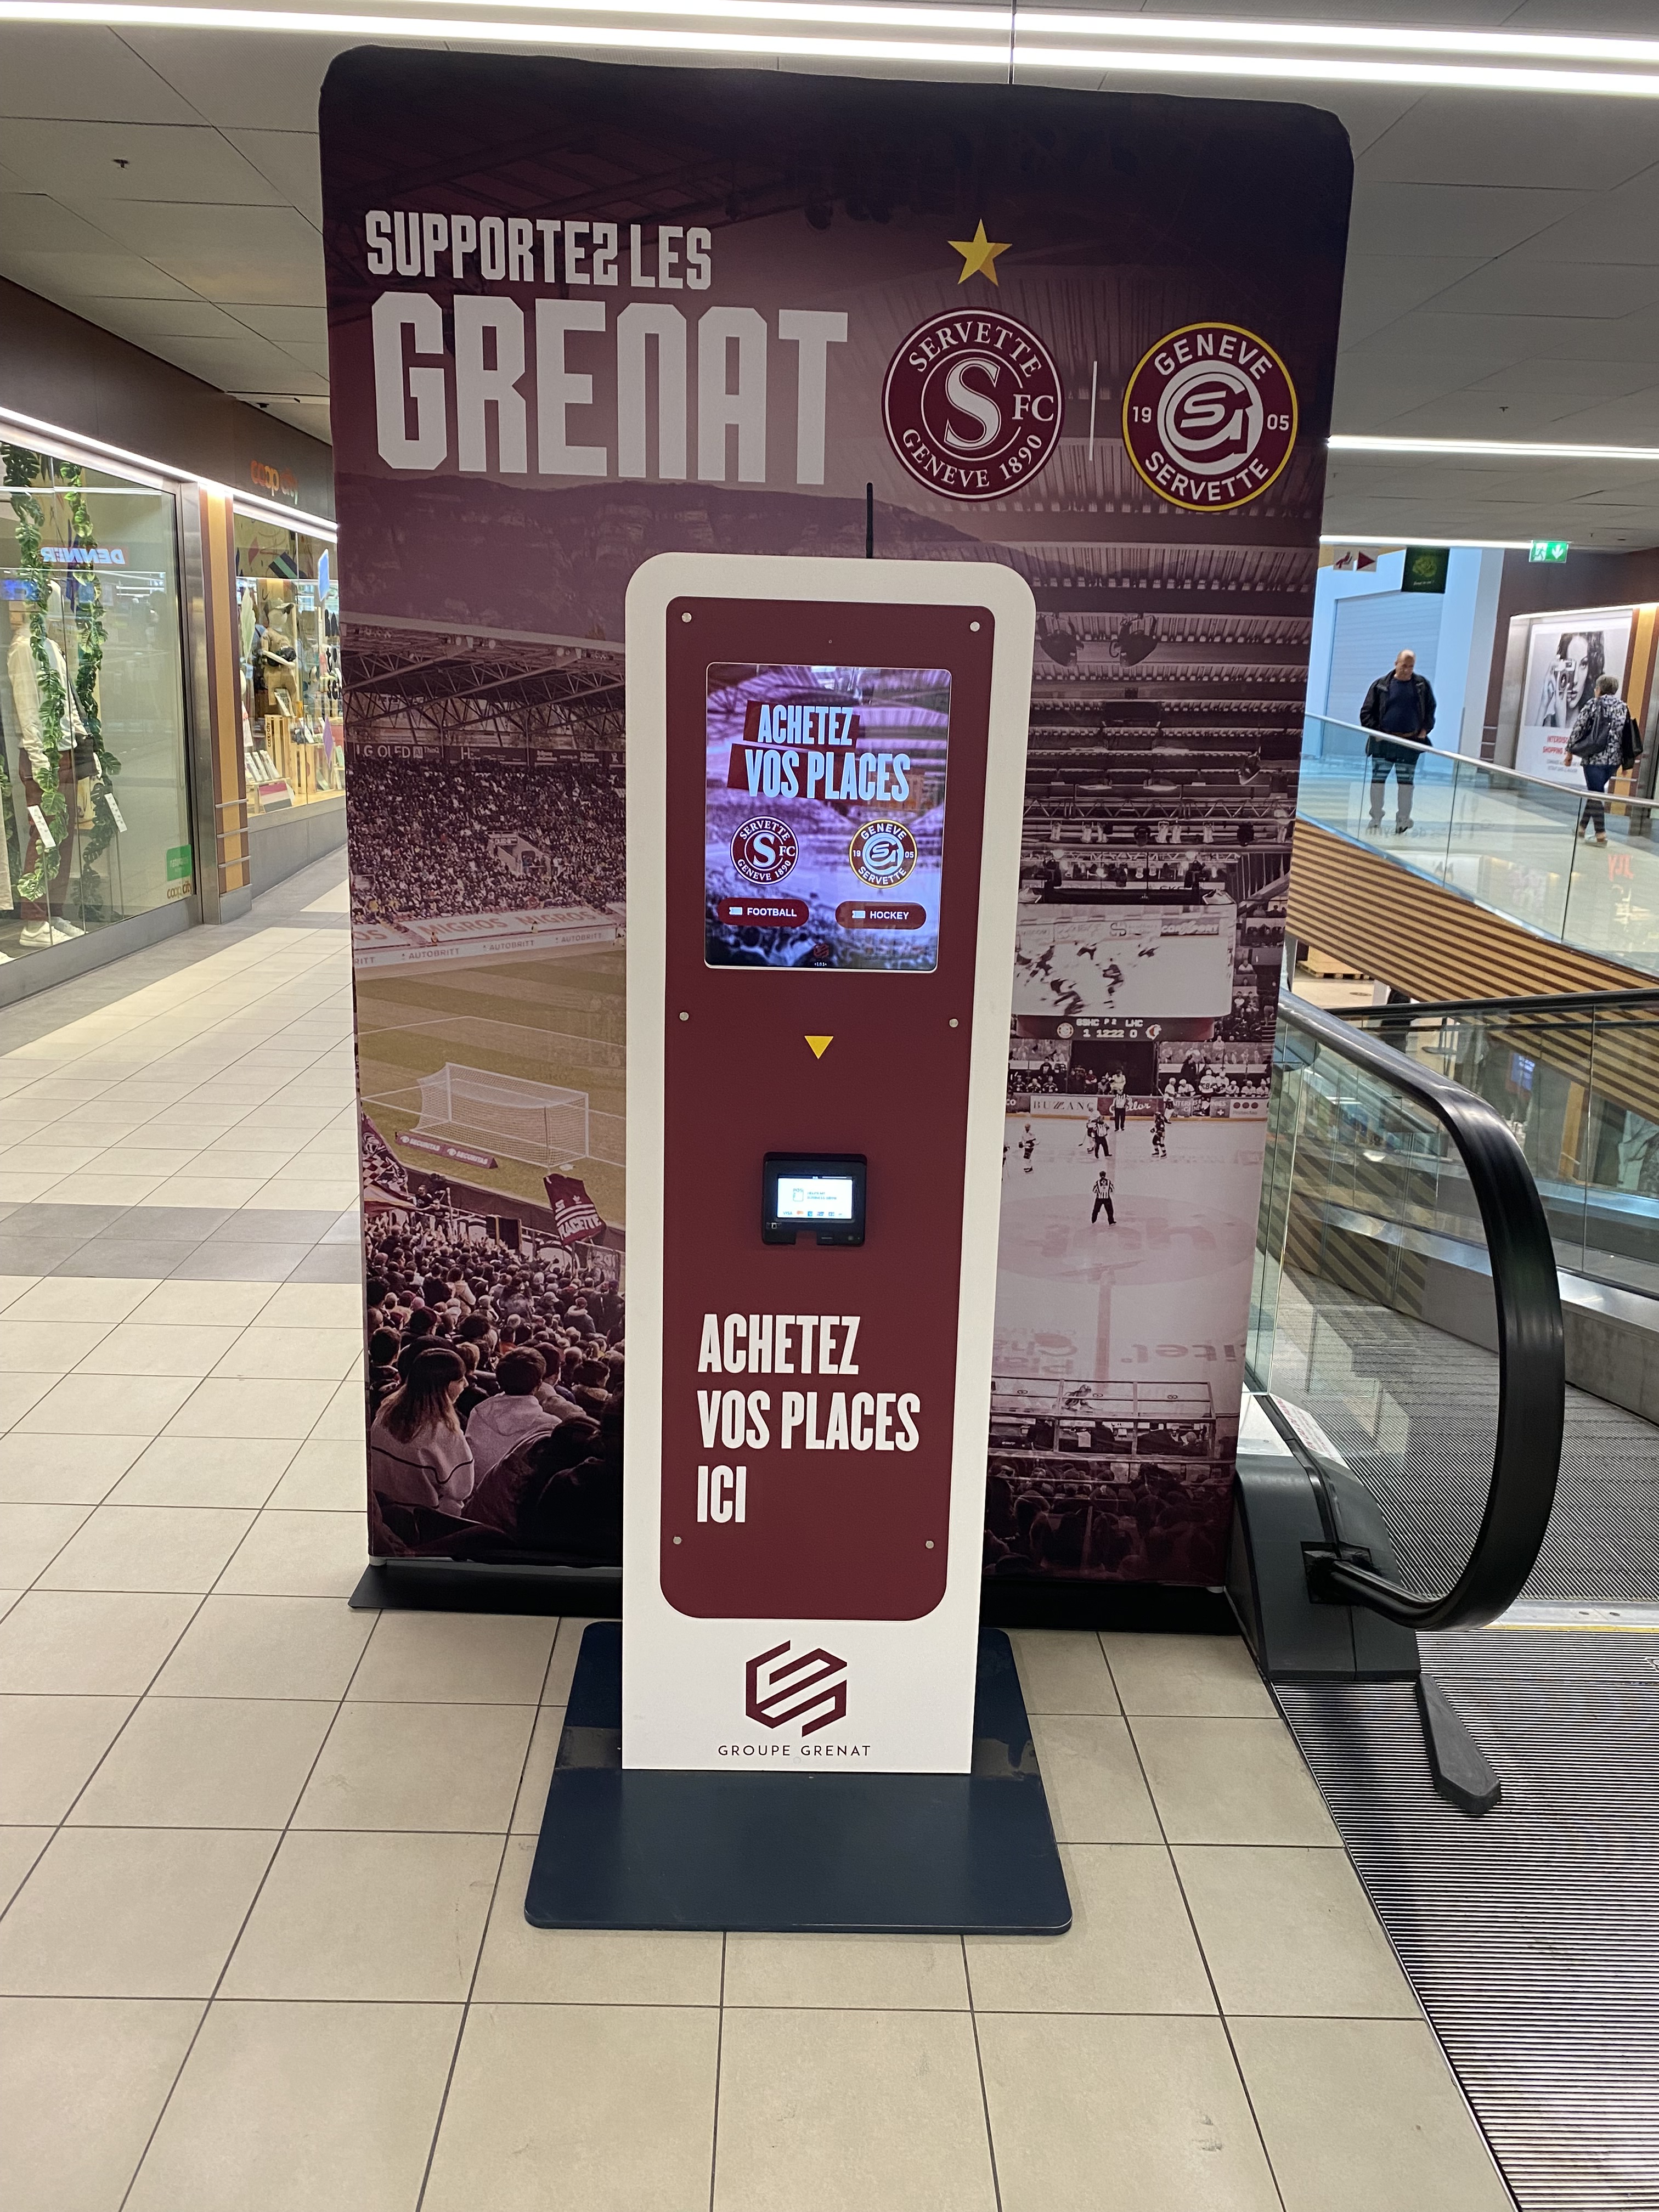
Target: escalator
1446 1574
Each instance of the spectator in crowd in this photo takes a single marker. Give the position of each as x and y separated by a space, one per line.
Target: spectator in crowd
514 1414
576 1516
1604 739
419 1329
506 1497
382 1366
418 1454
1399 712
476 1391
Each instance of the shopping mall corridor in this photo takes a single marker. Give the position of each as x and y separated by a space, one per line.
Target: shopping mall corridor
265 1856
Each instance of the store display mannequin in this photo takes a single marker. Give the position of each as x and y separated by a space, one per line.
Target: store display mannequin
276 664
72 770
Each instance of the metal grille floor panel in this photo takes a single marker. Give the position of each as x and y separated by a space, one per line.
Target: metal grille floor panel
1531 1937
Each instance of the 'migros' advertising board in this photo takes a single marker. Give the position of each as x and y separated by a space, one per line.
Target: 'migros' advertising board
581 315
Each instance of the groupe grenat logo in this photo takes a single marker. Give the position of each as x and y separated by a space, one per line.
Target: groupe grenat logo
1209 416
973 404
811 1688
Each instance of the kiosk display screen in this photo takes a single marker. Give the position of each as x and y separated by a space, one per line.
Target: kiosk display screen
815 1198
824 816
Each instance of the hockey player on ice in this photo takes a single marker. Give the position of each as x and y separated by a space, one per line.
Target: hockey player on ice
1027 1146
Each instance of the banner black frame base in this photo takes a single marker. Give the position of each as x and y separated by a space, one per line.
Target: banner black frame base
783 1853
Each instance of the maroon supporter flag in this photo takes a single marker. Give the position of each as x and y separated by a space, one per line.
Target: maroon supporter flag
382 1170
575 1217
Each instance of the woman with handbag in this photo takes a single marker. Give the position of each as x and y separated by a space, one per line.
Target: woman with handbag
1604 739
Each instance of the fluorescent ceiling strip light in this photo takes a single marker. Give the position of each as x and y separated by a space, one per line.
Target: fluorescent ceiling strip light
271 510
1293 69
92 452
1504 449
1395 541
141 15
1102 62
1181 29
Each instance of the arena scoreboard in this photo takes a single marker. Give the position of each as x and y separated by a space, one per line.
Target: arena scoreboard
826 776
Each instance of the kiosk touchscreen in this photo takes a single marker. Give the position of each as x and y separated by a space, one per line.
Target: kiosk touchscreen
825 772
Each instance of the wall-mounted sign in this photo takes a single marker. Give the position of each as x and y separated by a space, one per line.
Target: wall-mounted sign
1425 568
274 482
1548 549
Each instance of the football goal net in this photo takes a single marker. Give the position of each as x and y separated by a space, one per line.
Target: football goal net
540 1123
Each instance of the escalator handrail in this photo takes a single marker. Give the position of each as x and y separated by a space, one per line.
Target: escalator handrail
1531 1349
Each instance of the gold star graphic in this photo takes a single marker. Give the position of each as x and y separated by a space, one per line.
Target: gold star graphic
978 255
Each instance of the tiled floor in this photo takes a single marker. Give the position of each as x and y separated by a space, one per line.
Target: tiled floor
265 1858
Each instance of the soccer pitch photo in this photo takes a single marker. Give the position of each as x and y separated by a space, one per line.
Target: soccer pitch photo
520 1058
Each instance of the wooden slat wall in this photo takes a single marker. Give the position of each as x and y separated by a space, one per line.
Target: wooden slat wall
1387 923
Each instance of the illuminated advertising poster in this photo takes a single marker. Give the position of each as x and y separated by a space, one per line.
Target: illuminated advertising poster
583 315
1566 654
825 816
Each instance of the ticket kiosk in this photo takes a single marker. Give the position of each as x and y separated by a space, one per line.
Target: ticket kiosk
826 776
825 768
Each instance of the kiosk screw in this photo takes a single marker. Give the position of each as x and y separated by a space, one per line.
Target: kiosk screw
974 626
687 618
954 1023
930 1543
678 1539
685 1018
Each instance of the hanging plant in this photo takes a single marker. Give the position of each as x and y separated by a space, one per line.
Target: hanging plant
21 469
87 603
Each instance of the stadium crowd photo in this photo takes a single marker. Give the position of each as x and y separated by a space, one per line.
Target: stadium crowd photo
484 836
494 1384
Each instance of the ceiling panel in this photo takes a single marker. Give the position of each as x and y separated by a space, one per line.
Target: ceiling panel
244 81
270 254
73 278
34 222
91 163
1621 225
148 321
1581 292
1380 287
1479 219
1516 139
286 326
91 72
289 159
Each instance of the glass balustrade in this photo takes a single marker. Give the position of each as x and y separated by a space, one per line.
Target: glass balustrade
1373 1308
1577 1081
1516 844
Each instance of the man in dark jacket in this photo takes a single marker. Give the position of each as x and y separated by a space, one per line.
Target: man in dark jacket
1398 705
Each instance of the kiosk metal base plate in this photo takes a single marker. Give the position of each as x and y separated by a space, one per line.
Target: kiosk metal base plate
921 1854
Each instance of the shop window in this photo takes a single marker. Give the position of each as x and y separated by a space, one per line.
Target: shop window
93 785
288 605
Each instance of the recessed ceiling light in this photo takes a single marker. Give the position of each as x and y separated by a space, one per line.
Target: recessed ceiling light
1507 449
1100 45
1394 541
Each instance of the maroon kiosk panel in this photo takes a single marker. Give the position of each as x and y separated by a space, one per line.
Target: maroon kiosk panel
814 891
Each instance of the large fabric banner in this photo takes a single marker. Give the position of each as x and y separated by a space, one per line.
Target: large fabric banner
581 315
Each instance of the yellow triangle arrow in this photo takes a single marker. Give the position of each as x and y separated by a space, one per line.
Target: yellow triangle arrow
820 1045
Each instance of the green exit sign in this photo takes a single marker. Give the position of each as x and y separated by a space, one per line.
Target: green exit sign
1548 549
